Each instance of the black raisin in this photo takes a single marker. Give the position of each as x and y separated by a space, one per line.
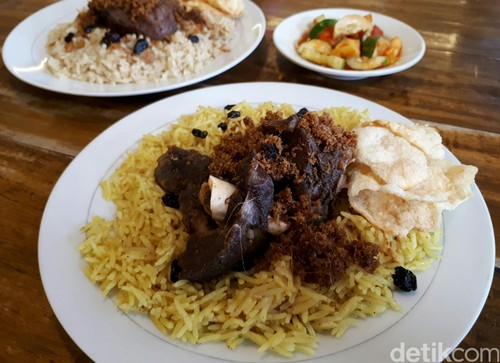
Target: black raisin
113 37
233 114
271 151
199 133
404 279
171 200
175 270
222 126
193 38
228 107
140 46
89 28
106 41
69 38
109 38
302 112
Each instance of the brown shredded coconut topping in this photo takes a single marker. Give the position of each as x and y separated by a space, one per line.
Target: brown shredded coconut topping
136 8
320 251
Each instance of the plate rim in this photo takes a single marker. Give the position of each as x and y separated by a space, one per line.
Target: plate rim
128 120
339 73
253 10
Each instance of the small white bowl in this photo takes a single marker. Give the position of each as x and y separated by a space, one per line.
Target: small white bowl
289 31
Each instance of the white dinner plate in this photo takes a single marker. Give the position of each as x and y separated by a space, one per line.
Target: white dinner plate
24 53
290 30
443 309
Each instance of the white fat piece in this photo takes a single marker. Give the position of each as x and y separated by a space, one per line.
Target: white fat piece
350 25
276 227
219 199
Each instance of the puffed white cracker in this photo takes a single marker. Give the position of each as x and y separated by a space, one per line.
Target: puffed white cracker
233 8
396 215
386 154
424 137
392 158
214 17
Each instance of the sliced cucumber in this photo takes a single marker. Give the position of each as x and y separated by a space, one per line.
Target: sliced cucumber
323 59
335 62
316 45
322 25
365 64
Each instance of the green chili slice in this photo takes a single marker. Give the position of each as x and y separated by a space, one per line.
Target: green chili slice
322 25
369 45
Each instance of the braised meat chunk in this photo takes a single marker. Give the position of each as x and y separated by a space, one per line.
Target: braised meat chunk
214 249
181 173
156 19
234 243
178 167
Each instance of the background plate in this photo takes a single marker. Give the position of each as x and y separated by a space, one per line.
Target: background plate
24 53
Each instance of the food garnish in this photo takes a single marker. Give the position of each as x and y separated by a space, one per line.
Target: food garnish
140 46
404 279
233 114
222 126
199 133
351 42
401 180
69 38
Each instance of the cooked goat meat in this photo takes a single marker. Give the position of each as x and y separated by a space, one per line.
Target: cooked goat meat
182 172
235 243
284 177
259 198
320 167
212 249
241 177
194 216
303 152
178 167
153 19
321 171
277 126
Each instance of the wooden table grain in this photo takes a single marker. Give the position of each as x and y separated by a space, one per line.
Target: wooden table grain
455 87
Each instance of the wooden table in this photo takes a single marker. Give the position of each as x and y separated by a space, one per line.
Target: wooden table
456 87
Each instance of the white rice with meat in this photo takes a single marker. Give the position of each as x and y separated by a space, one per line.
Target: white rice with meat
85 58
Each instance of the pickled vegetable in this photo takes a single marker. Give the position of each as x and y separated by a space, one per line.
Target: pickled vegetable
366 64
352 42
321 26
369 46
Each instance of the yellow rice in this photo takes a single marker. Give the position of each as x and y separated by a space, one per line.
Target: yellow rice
129 257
